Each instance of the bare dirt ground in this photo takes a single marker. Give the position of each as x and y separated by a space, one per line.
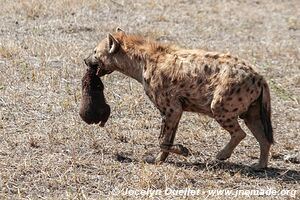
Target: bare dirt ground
46 151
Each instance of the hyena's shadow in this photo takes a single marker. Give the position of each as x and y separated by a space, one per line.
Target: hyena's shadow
233 168
282 174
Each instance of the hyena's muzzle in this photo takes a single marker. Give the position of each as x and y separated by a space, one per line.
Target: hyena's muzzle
92 62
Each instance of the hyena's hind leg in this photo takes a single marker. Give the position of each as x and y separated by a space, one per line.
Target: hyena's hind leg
237 135
253 121
228 119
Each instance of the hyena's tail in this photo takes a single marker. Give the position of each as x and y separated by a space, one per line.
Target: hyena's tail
265 112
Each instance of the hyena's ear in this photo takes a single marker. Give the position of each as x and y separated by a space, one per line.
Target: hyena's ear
113 44
118 29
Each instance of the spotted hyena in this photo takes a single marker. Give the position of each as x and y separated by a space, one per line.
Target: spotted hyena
175 79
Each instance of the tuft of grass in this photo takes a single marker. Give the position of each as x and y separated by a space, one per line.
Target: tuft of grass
33 9
293 23
280 91
8 52
33 142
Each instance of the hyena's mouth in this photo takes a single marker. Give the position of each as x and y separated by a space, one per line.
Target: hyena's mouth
100 68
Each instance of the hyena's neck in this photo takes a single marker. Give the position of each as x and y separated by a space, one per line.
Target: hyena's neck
139 55
132 67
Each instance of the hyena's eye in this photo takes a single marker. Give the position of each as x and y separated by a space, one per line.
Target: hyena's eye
94 51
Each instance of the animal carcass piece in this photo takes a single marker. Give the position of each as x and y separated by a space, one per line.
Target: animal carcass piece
93 107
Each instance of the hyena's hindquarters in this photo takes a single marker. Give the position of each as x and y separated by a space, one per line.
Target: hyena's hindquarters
258 120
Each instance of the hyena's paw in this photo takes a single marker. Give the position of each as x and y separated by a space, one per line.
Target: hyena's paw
182 150
259 166
162 156
223 155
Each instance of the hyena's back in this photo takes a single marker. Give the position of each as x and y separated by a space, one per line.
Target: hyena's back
204 80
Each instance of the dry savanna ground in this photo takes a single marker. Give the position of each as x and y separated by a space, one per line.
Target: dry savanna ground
46 151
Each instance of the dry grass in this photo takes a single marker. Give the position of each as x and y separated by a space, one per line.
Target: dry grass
46 151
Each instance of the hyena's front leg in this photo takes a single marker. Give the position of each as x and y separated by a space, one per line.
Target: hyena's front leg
168 131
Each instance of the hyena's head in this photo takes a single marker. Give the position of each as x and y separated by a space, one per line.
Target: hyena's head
103 56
